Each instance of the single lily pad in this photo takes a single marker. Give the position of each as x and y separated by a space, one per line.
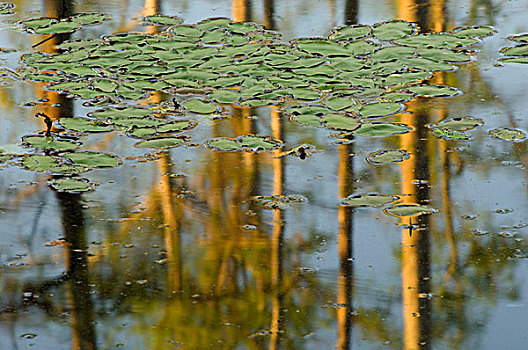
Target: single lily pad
457 123
408 210
448 134
474 31
434 91
380 129
508 134
338 103
200 107
386 156
340 122
70 184
392 30
85 125
227 96
93 159
161 142
521 50
163 20
39 163
278 201
251 143
380 109
49 143
350 33
368 200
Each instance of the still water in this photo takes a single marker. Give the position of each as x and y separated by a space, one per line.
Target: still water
171 249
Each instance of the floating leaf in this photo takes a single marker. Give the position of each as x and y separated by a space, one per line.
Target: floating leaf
508 134
457 123
386 156
474 31
84 125
69 184
119 112
278 201
138 122
380 129
337 103
39 163
90 18
6 8
380 109
521 50
407 78
161 142
176 126
200 107
49 143
408 210
447 134
350 33
163 20
446 55
228 96
57 28
340 122
522 38
437 40
249 143
393 30
521 59
93 159
434 91
305 94
368 200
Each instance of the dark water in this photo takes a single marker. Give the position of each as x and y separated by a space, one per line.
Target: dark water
174 253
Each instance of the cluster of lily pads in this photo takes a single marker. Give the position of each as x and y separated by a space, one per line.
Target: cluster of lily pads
340 82
518 53
389 203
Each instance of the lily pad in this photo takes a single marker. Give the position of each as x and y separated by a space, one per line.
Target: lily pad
72 185
380 129
474 31
380 109
227 96
368 200
408 210
448 134
200 107
93 159
434 91
386 156
338 103
350 33
6 8
251 143
39 163
340 122
85 125
163 20
49 143
521 59
120 112
457 123
278 201
508 134
392 30
521 50
161 142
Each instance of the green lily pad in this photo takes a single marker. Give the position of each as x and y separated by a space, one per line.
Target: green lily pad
4 158
250 143
213 23
448 134
521 38
474 31
392 53
408 210
58 27
227 96
307 120
521 50
176 126
350 33
404 79
72 185
39 163
434 91
163 20
93 159
368 200
161 142
392 30
521 59
386 156
305 94
508 134
84 125
338 103
137 122
445 55
380 109
380 129
200 107
186 30
278 201
90 18
340 122
457 123
120 112
6 8
49 143
30 25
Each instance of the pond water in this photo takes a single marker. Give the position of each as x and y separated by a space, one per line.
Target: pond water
398 225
